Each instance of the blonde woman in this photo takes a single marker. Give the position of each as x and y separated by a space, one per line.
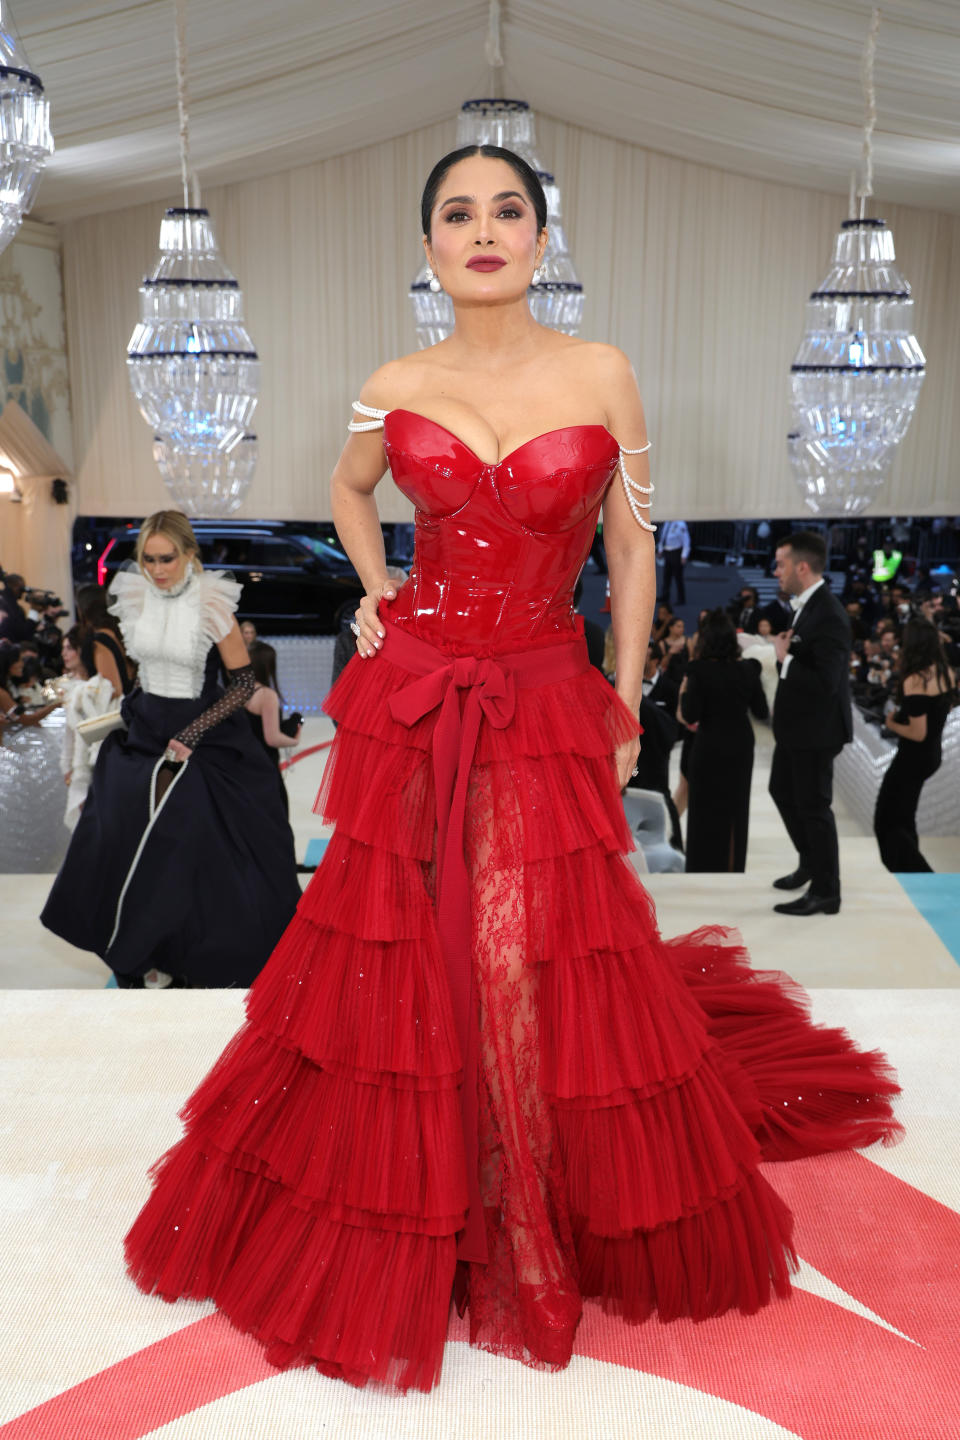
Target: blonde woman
181 870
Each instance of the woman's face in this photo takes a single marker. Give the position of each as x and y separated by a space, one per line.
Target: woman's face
249 632
483 214
764 627
16 669
70 657
675 630
163 562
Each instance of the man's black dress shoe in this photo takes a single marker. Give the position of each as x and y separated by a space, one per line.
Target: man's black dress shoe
810 904
794 881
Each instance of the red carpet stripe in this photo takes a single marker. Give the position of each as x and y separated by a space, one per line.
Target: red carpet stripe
149 1388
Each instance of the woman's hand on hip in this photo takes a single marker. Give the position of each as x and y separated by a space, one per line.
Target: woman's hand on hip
369 625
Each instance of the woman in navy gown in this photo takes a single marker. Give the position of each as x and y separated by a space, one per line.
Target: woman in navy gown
181 870
473 1068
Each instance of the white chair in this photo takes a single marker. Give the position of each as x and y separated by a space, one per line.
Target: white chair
649 819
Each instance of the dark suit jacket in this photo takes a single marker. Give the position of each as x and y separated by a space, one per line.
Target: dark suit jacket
780 616
812 708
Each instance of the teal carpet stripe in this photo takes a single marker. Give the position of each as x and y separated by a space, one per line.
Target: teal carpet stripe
937 897
315 849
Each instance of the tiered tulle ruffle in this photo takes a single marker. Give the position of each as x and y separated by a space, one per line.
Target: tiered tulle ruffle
627 1084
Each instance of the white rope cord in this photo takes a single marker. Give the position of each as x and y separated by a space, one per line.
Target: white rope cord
187 173
492 47
374 424
870 108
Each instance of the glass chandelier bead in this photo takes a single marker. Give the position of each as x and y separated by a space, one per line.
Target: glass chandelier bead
207 484
557 298
857 374
192 365
25 139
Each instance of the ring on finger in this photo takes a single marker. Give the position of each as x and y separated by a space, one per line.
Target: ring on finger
355 627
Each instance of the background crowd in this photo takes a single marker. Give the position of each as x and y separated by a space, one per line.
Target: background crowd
700 689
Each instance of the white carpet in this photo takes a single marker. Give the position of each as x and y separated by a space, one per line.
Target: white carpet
91 1082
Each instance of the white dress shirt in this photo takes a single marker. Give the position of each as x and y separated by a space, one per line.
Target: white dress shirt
798 602
674 535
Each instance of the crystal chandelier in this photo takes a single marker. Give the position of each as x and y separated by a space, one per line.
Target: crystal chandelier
25 139
856 377
556 300
191 362
204 484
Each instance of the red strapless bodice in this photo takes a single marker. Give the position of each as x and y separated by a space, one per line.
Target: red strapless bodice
499 547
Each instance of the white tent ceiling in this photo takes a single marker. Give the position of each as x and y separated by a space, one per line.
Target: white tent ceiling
767 88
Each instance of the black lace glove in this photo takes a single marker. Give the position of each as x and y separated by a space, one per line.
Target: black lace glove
240 687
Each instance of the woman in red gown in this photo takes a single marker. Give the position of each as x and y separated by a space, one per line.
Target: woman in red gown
472 1067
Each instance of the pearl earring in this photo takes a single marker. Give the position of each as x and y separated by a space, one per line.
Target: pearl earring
535 277
435 285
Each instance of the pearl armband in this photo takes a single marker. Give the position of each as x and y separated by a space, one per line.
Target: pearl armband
632 488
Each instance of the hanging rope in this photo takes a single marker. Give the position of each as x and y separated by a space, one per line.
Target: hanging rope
870 109
187 173
492 48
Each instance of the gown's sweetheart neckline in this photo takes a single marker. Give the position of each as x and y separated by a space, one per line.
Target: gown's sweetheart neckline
495 465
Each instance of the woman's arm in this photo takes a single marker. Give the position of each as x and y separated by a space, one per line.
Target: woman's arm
269 712
107 667
27 717
240 686
758 699
691 700
629 547
916 727
356 475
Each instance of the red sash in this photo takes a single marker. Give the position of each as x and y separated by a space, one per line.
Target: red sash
488 689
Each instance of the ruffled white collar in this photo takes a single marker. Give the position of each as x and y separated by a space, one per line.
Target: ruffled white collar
174 590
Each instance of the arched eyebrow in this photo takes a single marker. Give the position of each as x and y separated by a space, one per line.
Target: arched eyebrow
472 199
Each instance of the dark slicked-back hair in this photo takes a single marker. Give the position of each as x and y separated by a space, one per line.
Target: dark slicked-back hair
526 175
808 545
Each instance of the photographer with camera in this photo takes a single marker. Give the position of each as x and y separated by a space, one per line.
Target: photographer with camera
15 624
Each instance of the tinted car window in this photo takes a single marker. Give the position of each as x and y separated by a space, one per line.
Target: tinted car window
269 552
322 549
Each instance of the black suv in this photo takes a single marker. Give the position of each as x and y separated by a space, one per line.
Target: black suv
295 576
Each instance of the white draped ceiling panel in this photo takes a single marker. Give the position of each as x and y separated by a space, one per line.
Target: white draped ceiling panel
767 88
699 274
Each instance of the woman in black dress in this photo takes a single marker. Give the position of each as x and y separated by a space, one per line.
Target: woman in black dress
926 690
718 691
265 709
101 643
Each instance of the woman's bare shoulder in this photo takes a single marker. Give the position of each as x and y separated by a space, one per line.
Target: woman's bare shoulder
599 357
399 381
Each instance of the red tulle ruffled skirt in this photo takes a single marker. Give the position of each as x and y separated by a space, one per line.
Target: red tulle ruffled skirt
628 1086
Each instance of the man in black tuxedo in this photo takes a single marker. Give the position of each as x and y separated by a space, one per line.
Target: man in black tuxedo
811 722
744 610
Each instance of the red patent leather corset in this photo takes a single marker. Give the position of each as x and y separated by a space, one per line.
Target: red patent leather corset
498 548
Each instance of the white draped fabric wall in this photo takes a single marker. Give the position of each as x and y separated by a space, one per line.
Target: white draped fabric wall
699 274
